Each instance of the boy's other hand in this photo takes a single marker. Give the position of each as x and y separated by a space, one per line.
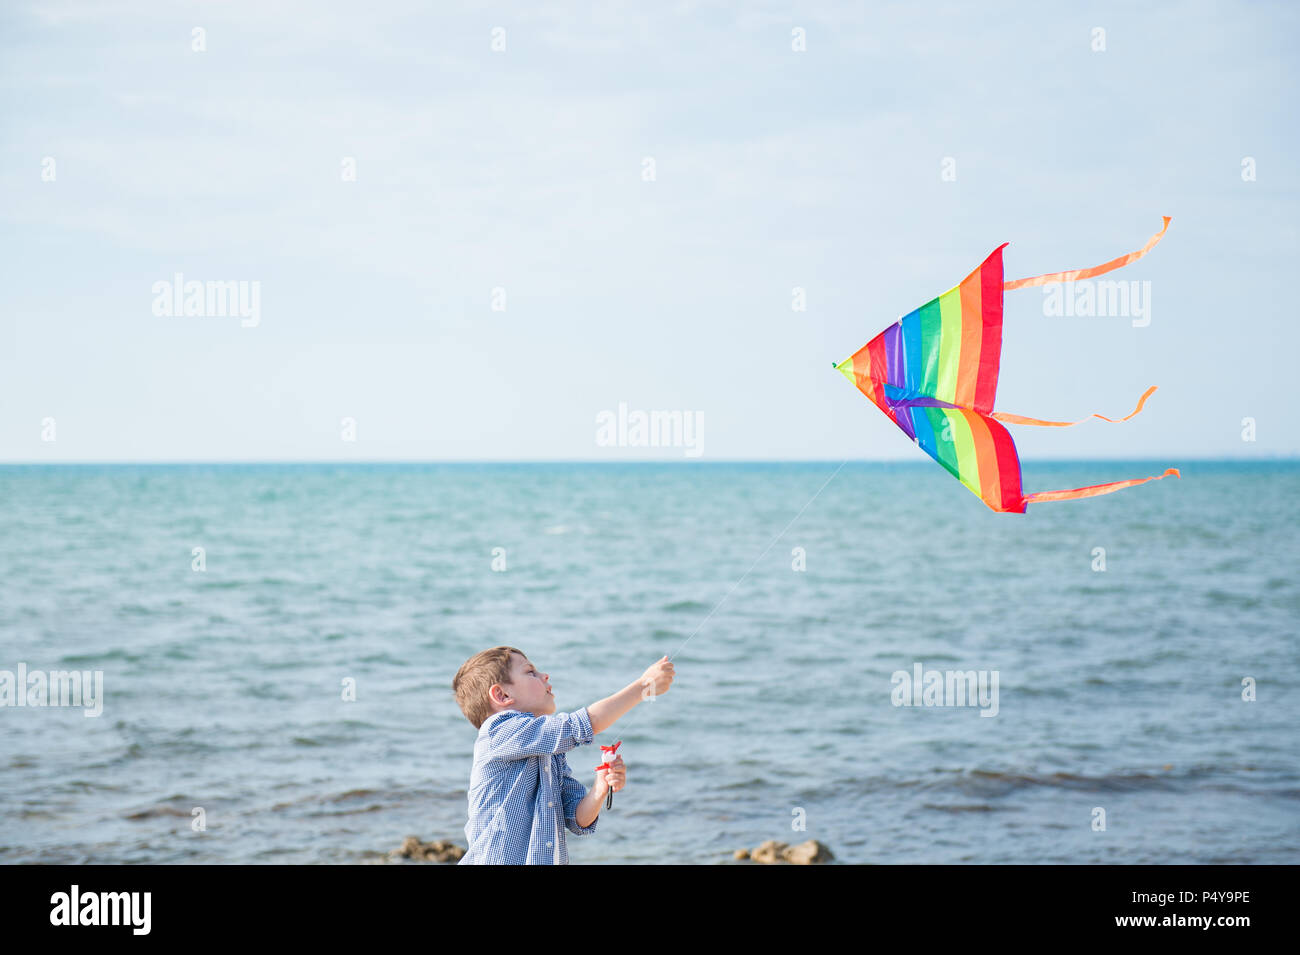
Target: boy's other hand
659 676
614 778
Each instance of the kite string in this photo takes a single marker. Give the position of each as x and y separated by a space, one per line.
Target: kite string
756 561
609 801
1096 270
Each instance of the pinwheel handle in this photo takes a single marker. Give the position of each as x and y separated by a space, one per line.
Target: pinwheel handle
608 752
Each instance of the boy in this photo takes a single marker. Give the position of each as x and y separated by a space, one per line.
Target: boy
522 795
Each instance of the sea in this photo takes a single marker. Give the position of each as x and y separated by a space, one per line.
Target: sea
277 642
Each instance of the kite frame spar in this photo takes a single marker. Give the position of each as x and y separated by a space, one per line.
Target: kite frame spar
934 373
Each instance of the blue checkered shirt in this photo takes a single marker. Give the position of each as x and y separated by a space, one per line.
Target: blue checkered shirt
522 795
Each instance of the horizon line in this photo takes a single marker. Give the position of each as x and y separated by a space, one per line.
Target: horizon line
675 460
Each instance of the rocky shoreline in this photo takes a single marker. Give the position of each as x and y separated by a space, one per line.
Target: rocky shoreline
770 852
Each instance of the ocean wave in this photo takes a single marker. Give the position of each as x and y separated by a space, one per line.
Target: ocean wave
155 812
996 783
684 606
977 807
107 656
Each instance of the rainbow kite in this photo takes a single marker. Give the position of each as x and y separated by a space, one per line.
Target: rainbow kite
935 372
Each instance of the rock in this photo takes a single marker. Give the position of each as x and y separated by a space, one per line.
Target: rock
811 852
437 851
769 853
772 852
740 854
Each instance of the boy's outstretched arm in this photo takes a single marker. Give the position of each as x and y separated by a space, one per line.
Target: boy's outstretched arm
606 712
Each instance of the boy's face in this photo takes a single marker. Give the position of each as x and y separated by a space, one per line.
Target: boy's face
528 691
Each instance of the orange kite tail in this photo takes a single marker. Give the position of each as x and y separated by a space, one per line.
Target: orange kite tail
1020 419
1095 489
1110 266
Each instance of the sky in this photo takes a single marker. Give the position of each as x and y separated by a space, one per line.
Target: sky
477 230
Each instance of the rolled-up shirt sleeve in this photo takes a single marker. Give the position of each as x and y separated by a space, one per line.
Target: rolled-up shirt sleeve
571 793
516 735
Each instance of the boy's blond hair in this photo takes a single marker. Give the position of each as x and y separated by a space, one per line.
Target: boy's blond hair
476 676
